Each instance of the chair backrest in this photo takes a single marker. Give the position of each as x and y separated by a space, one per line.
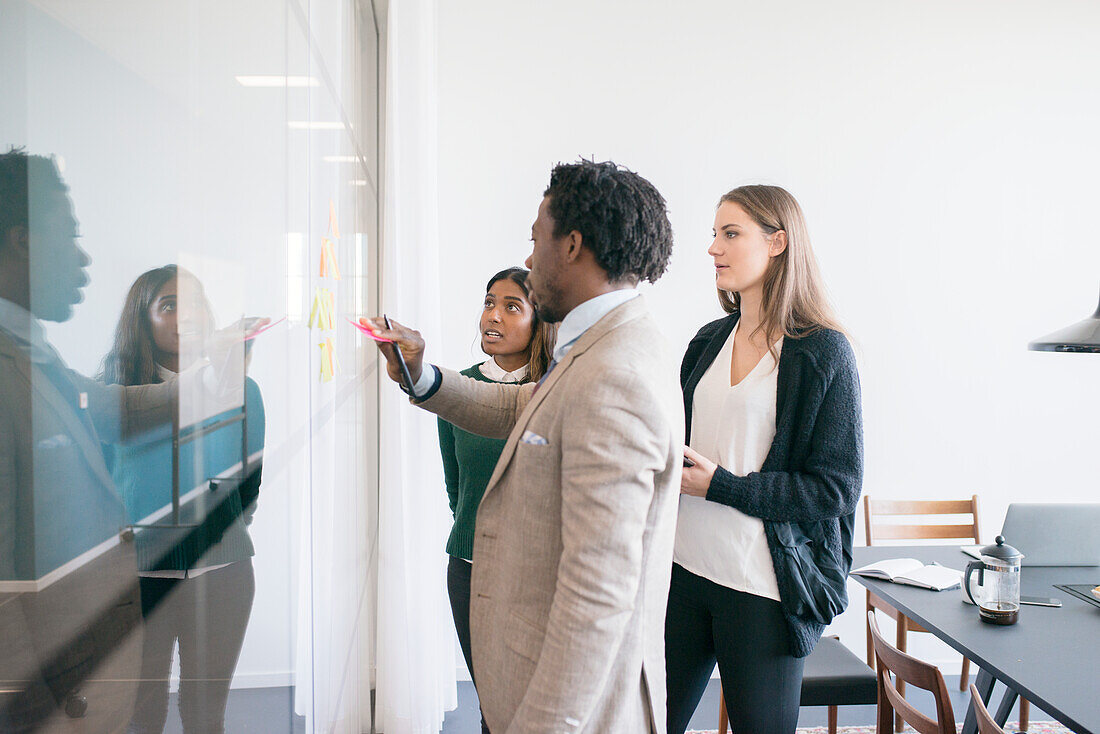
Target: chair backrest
986 724
915 673
873 510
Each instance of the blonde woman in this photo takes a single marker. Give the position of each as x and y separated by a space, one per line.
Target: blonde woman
772 473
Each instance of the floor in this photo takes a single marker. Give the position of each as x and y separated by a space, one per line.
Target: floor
465 719
259 710
271 711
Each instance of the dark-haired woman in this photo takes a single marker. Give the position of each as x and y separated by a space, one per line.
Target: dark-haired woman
519 346
773 473
196 582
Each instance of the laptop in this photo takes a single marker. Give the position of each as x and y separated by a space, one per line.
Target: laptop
1051 534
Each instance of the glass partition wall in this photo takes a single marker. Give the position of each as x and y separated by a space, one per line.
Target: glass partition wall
188 419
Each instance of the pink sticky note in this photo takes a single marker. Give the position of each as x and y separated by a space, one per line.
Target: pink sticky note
256 333
367 330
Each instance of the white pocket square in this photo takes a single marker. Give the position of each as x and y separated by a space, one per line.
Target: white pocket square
533 438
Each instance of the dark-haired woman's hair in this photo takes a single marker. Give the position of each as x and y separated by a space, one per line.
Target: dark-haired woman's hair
543 334
132 359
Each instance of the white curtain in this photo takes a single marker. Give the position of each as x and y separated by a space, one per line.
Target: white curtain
416 649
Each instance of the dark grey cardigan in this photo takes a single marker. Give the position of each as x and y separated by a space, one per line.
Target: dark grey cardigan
808 489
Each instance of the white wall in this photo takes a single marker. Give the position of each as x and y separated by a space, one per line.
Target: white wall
945 156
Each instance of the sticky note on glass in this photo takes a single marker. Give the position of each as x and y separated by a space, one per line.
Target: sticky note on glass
329 268
330 365
323 312
256 333
369 332
332 228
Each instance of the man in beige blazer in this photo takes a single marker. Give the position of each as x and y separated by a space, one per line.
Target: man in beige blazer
573 547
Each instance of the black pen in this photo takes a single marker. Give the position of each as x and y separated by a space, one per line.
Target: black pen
405 376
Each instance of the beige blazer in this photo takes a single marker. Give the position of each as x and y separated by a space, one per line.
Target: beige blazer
573 544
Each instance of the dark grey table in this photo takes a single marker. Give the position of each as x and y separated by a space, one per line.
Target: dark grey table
1051 656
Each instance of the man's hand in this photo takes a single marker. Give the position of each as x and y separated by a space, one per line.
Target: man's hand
409 340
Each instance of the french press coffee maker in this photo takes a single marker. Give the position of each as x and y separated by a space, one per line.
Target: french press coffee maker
998 594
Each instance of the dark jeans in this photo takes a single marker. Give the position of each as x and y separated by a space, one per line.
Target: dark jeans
458 589
748 637
207 616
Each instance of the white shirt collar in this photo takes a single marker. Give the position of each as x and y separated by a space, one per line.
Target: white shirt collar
27 330
164 373
495 372
584 317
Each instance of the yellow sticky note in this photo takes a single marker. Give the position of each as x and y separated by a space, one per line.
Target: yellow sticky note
330 310
323 313
329 268
326 365
315 308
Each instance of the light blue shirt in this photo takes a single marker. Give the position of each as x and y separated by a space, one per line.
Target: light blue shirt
576 322
584 317
27 331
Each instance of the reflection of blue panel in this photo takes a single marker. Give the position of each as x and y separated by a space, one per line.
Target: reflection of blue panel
143 470
74 510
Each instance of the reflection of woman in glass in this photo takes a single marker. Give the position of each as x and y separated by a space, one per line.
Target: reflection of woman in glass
197 582
520 347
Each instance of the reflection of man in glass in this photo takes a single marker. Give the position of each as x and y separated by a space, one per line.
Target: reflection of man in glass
197 582
57 500
69 599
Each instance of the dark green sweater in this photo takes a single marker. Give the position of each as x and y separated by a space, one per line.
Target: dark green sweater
468 463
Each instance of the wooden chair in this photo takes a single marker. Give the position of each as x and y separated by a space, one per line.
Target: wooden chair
833 676
986 724
908 669
967 532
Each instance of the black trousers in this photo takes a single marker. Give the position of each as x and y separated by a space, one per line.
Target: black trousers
459 573
207 616
747 635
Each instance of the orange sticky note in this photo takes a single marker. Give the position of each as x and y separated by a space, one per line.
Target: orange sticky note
329 268
335 358
332 228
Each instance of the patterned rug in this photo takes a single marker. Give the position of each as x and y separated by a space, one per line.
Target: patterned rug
1035 727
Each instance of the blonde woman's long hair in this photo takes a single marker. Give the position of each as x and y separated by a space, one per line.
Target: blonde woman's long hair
795 303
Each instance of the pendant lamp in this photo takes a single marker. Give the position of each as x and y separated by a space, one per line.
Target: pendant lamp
1082 337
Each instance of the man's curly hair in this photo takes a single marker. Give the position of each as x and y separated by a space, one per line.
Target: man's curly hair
621 218
24 178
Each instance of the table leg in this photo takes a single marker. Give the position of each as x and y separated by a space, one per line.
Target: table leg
984 683
1006 706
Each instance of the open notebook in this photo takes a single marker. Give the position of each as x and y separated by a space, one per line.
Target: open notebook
912 572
